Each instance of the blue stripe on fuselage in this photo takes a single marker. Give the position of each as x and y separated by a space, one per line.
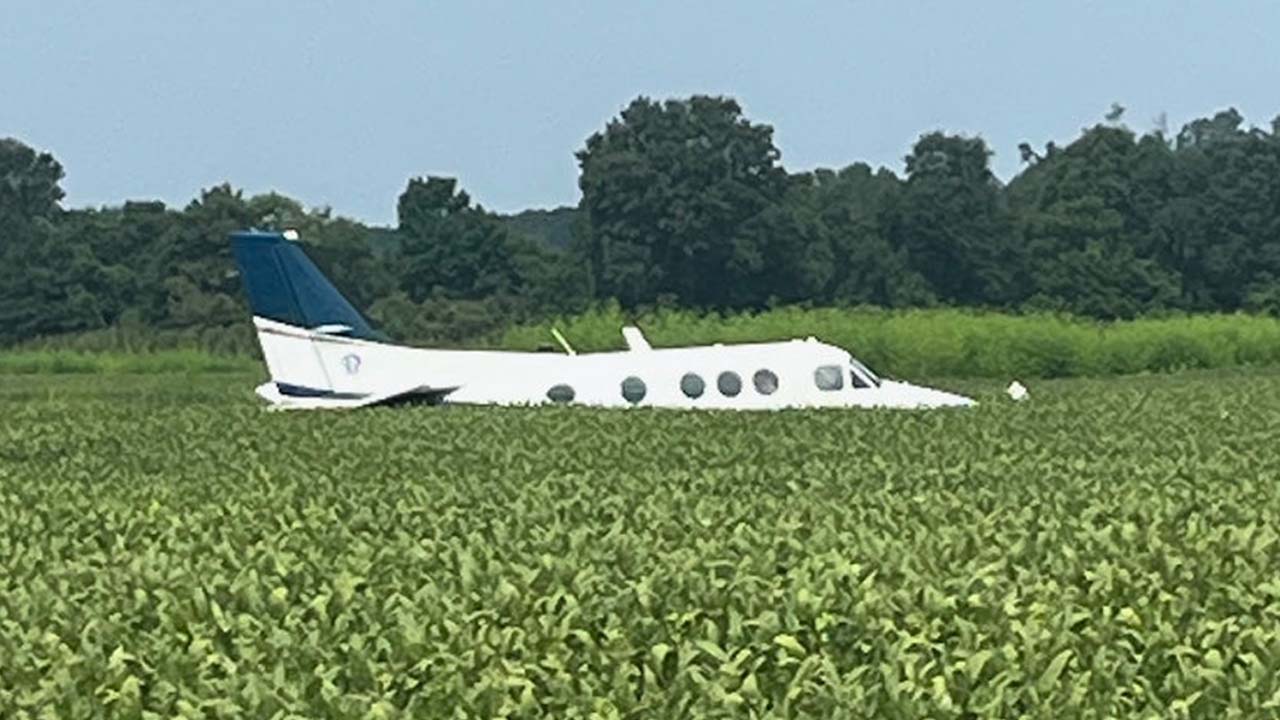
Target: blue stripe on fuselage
310 392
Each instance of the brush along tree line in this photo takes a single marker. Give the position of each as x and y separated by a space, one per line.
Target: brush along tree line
686 204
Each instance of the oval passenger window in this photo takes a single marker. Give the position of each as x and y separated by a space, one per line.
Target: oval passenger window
560 394
766 382
729 383
633 389
692 386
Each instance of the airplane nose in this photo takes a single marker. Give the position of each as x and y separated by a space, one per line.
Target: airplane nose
940 398
931 398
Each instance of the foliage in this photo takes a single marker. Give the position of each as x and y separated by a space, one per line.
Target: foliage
69 362
667 189
1106 549
29 186
945 342
910 343
133 338
554 228
36 271
955 229
450 248
686 204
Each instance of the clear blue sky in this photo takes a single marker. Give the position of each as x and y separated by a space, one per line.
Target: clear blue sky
339 103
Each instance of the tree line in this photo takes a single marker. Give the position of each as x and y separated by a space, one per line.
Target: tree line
686 203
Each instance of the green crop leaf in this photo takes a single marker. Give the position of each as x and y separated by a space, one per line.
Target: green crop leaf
710 648
119 659
1049 678
1272 702
789 643
974 663
1183 705
659 652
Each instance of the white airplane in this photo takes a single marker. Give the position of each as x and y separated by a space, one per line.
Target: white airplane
322 353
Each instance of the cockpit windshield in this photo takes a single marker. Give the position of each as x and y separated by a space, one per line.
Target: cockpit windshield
861 375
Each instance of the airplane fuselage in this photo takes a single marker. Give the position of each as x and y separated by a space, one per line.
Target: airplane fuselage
333 371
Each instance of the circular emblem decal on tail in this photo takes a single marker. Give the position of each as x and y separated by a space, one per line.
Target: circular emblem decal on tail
351 363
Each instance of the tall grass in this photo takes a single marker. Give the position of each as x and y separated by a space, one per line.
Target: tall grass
69 362
136 349
907 343
134 338
948 342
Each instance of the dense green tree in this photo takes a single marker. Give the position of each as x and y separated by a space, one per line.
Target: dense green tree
43 287
117 264
669 189
460 270
554 228
450 249
196 259
39 290
1082 263
781 255
1229 198
953 225
29 185
1153 224
857 209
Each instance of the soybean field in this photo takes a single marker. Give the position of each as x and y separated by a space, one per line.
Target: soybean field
1105 549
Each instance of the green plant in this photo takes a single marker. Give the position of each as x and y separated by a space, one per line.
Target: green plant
1105 549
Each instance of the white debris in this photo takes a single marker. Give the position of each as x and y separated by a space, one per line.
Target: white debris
1016 391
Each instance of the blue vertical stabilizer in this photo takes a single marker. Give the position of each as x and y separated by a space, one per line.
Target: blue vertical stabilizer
284 285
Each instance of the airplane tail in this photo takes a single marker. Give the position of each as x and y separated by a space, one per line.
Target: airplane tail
302 321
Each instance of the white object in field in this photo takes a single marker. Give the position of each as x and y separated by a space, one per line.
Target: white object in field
312 368
563 343
290 234
1016 390
635 339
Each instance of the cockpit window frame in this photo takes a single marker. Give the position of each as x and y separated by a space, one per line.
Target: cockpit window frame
860 368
